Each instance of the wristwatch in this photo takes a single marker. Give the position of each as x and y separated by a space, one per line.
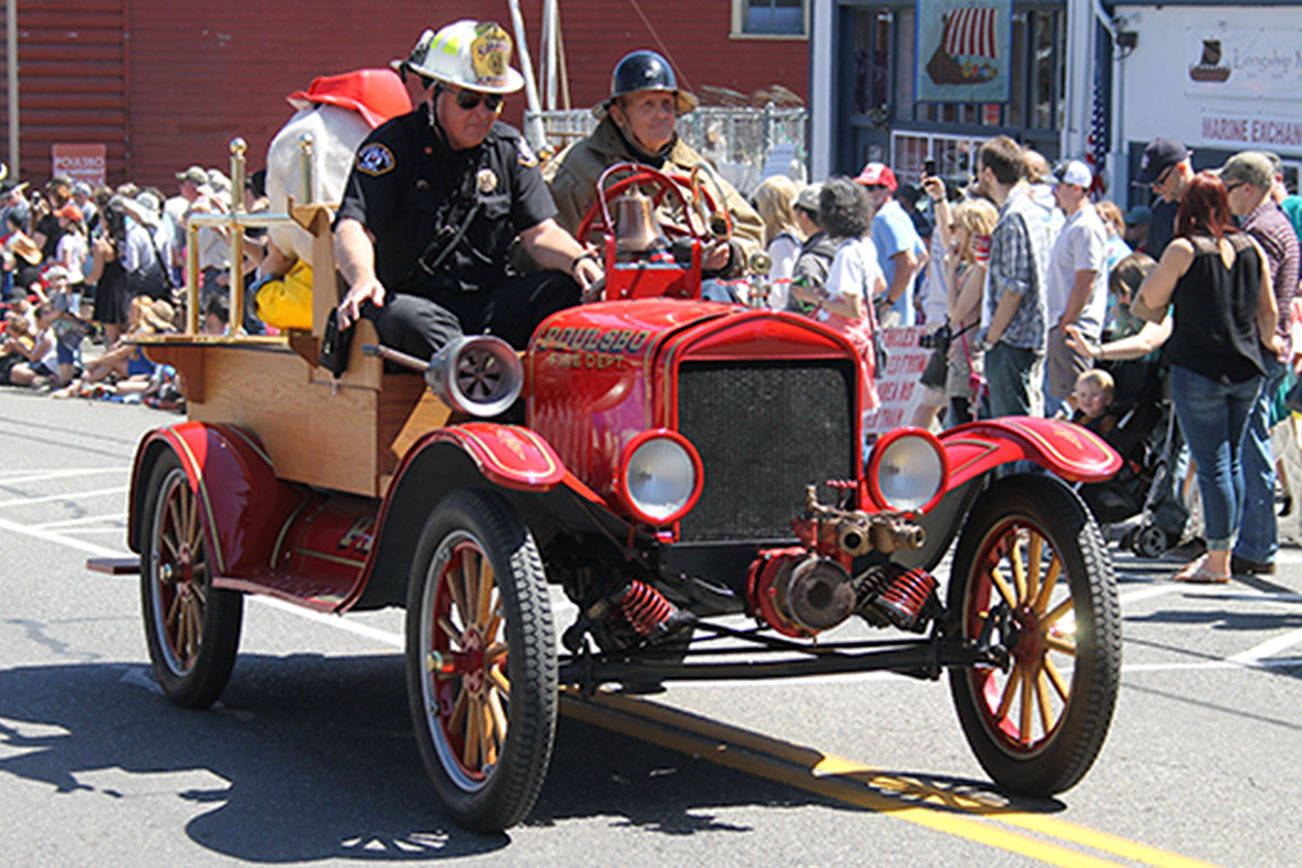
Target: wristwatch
986 345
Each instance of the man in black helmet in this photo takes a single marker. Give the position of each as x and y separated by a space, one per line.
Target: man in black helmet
637 125
434 200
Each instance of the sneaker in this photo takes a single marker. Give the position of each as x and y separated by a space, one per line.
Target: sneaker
1244 567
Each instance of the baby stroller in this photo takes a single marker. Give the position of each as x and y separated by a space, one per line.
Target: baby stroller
1147 485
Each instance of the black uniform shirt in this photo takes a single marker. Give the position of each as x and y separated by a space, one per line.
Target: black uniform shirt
407 186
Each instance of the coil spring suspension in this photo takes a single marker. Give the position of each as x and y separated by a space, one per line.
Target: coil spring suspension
904 597
645 607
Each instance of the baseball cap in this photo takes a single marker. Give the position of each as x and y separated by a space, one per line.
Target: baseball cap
61 180
55 271
1248 167
194 174
1140 215
1074 172
1160 155
808 198
877 175
218 181
81 188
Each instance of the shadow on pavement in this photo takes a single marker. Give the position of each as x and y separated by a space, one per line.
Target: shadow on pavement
319 762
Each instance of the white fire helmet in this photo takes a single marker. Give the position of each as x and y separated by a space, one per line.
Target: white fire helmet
475 55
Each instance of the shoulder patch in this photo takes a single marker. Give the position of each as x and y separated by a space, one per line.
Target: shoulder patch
374 159
525 153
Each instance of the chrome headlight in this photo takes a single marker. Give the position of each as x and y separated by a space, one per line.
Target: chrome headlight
660 476
907 470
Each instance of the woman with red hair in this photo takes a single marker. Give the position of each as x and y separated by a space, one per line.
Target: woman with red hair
1216 279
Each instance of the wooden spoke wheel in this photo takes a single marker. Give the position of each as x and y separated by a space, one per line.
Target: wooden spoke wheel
1032 574
193 630
481 661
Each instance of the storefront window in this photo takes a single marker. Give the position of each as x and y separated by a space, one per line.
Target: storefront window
772 17
872 61
1048 31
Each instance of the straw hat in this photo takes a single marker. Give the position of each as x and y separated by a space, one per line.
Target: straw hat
25 248
158 315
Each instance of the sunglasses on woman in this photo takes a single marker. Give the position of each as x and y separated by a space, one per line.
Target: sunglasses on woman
469 99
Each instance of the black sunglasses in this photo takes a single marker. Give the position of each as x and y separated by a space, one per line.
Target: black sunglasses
469 99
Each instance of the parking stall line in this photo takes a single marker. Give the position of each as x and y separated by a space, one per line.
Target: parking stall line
61 539
1269 648
74 522
71 495
68 473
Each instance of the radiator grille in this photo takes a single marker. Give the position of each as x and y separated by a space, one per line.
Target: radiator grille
765 430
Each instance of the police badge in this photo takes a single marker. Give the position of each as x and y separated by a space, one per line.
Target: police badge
374 159
490 52
486 181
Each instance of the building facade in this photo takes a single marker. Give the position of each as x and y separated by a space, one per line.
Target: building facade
161 85
1219 78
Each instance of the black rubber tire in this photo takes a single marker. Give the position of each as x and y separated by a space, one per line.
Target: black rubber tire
1064 752
1150 542
481 794
182 584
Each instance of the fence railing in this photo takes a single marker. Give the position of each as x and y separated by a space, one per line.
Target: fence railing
745 144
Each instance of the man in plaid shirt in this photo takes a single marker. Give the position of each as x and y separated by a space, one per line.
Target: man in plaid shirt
1249 178
1013 313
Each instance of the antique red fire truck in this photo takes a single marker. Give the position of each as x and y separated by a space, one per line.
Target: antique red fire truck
681 461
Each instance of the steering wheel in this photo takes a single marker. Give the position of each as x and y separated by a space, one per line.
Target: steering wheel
636 175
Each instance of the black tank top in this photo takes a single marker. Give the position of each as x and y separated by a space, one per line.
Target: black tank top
1215 330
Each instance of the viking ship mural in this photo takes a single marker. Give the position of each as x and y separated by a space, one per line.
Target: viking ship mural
1209 66
966 51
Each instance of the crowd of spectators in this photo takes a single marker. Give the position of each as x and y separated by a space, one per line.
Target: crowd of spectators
1022 278
83 268
1029 281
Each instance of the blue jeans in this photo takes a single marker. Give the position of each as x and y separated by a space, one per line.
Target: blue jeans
1213 417
1014 375
1258 537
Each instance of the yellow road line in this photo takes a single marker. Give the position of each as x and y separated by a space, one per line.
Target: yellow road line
909 799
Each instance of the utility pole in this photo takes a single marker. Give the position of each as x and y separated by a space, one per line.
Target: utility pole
11 64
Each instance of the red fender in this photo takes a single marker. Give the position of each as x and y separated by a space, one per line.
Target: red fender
507 455
230 472
1072 452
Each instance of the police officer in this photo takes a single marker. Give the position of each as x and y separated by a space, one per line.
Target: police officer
435 198
637 125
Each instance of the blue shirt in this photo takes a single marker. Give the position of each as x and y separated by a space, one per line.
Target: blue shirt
893 233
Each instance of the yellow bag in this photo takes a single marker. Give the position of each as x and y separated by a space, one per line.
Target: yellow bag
286 302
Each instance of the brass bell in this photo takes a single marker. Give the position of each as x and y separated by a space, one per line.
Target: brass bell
636 229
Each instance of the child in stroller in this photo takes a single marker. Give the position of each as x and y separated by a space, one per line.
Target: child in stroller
1146 435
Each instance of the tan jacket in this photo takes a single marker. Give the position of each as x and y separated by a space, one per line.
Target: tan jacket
572 176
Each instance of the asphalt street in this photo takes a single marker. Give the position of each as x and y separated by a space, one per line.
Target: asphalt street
309 755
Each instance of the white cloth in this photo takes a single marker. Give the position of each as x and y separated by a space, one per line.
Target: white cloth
783 251
336 133
1080 246
854 270
138 250
71 254
934 294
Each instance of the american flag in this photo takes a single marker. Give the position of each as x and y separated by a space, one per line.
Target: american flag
1099 127
970 32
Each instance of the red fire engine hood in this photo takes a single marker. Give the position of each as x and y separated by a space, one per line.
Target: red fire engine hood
638 328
